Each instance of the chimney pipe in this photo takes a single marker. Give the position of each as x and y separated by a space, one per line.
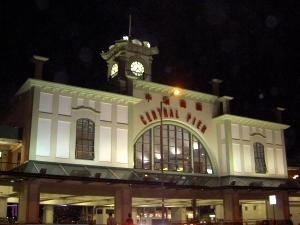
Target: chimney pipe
278 112
216 86
225 104
39 62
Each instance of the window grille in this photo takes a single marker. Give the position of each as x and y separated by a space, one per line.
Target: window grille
85 135
179 146
259 157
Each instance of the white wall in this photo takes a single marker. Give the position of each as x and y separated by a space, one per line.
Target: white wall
239 152
56 129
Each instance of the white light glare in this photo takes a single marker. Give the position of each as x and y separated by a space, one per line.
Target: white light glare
190 215
146 43
195 146
272 199
158 156
125 38
295 177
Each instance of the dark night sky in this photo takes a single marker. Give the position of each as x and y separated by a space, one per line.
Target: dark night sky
252 45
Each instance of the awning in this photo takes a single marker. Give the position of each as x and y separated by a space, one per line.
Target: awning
86 173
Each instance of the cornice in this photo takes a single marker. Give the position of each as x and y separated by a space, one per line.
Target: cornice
250 122
47 85
167 90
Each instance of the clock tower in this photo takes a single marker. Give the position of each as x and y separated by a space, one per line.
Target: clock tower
128 59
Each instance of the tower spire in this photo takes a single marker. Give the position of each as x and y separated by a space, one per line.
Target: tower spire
129 33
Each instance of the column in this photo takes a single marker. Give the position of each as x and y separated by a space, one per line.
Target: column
194 205
123 204
231 206
219 210
48 214
178 215
29 202
134 215
3 207
283 203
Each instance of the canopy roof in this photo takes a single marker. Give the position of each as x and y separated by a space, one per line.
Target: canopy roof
86 173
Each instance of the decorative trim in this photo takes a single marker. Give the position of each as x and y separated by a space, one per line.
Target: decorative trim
88 108
30 83
167 90
250 122
258 134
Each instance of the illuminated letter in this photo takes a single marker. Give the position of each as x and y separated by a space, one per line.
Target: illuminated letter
194 120
166 100
148 97
171 113
203 129
154 115
198 106
143 120
182 104
188 117
199 124
148 116
165 113
160 113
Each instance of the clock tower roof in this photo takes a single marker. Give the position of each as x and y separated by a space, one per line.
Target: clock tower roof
129 45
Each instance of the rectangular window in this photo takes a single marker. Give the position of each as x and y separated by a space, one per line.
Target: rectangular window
142 152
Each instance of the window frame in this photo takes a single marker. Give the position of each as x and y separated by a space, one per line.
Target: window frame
178 145
85 139
259 158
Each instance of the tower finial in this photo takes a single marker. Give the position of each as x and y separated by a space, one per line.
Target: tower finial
129 35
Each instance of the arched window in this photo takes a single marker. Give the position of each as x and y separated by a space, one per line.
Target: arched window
182 151
85 135
259 157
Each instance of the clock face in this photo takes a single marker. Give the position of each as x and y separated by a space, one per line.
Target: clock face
114 70
137 68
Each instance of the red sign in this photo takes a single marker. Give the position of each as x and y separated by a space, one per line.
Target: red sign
153 115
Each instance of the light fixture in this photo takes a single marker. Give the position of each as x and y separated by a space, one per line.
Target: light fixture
272 201
256 184
145 178
232 183
43 170
97 175
172 179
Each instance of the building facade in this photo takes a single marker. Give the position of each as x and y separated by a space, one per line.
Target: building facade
137 142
